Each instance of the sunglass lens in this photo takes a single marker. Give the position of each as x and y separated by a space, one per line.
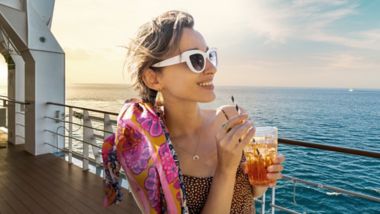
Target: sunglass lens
197 61
213 58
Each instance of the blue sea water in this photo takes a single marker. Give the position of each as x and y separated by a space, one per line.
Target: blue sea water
337 117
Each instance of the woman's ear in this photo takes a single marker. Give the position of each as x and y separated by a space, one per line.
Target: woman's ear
151 79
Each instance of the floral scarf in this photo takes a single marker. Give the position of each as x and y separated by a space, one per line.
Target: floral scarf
141 146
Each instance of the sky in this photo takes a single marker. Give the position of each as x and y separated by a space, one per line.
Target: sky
325 43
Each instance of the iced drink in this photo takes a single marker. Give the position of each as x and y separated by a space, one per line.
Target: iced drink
259 155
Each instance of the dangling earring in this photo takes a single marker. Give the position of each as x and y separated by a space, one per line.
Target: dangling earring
159 105
159 101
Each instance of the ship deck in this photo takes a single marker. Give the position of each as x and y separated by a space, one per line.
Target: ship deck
48 184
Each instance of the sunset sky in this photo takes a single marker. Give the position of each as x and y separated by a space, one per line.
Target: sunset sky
312 43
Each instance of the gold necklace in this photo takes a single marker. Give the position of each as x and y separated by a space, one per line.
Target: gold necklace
195 156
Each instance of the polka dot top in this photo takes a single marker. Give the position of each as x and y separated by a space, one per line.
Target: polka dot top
197 190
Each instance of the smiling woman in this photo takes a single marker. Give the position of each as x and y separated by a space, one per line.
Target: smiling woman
179 158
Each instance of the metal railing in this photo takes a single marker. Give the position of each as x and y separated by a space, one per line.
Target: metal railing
87 130
330 148
21 112
295 180
89 139
6 99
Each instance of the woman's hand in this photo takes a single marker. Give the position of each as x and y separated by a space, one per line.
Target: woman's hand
274 173
231 138
229 151
274 170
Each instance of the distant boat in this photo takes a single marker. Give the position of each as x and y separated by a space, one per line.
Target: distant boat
351 90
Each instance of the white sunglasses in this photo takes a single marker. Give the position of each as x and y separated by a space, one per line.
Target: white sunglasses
195 60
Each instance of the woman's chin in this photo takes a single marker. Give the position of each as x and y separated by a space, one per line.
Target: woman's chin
208 99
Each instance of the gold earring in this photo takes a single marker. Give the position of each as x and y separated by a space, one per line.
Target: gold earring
159 99
159 105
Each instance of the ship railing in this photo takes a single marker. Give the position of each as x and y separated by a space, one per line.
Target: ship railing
6 101
295 180
88 138
91 128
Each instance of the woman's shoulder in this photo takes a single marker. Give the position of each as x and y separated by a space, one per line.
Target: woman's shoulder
136 107
140 117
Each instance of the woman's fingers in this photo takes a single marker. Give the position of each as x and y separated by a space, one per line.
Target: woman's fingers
278 159
275 168
250 132
236 120
248 137
274 176
239 131
230 124
274 171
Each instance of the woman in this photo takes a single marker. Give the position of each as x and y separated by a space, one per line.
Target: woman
196 168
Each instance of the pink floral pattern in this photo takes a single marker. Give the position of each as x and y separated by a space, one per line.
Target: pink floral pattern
151 123
152 185
135 148
168 164
139 130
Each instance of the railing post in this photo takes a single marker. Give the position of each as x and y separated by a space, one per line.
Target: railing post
263 204
70 135
95 150
107 124
87 134
273 199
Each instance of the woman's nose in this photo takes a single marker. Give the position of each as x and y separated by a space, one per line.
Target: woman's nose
210 68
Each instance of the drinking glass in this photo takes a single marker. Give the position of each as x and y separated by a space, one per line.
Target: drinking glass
259 154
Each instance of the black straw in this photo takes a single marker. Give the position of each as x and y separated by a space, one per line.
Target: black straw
236 105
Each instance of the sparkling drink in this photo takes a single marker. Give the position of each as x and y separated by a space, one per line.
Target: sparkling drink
259 155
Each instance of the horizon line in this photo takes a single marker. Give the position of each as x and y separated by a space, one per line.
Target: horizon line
252 86
248 86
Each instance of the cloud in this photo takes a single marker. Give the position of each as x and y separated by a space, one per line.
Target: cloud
278 22
310 21
273 21
346 61
361 40
91 32
268 21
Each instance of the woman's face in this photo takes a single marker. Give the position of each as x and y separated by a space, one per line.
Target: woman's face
179 82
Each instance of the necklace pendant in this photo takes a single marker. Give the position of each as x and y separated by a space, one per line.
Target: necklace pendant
195 157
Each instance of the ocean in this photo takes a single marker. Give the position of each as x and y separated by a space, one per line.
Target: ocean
338 117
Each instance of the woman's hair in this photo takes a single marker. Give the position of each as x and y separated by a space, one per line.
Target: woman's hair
154 40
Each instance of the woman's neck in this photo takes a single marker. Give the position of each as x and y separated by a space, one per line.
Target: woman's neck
183 119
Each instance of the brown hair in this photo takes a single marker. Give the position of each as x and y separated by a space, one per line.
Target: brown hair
154 40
